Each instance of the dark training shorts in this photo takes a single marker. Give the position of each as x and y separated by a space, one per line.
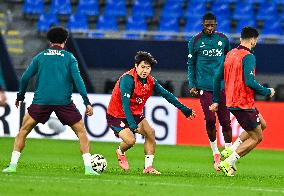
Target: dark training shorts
248 120
67 114
206 99
118 124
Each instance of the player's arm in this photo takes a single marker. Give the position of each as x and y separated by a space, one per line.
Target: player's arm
219 76
172 99
126 86
27 75
78 81
227 46
191 62
249 67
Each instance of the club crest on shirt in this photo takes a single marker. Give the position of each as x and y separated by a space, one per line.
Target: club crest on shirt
122 124
220 43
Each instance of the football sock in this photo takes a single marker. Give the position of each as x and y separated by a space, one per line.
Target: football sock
148 160
228 145
214 147
233 158
119 151
15 157
236 144
87 159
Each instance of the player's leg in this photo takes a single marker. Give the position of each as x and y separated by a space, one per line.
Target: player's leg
69 115
34 115
224 119
149 146
210 118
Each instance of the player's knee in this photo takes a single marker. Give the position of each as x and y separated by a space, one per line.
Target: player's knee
130 142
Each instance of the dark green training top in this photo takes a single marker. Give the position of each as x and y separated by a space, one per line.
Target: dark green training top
56 71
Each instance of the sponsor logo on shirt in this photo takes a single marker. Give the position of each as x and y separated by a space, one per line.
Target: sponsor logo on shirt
213 52
190 56
53 52
202 45
126 95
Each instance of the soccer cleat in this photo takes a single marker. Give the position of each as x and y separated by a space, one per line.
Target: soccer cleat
151 170
12 168
217 159
90 172
226 152
226 168
122 161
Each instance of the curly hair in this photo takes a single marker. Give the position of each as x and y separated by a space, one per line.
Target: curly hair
57 35
146 57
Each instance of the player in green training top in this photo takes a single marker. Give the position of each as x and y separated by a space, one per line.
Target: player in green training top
56 71
206 53
3 97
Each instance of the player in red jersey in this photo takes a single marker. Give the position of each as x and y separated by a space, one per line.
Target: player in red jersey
240 86
125 111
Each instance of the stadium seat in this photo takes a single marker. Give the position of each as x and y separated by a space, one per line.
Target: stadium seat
169 23
33 7
116 8
107 22
195 9
193 25
244 22
224 26
243 10
142 9
88 7
267 11
272 27
78 23
61 7
172 8
221 10
136 24
45 21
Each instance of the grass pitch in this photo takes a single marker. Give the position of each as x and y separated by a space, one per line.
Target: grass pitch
53 167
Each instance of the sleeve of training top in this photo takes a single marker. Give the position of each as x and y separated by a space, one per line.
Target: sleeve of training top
219 76
191 62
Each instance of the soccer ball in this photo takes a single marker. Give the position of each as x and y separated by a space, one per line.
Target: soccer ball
99 163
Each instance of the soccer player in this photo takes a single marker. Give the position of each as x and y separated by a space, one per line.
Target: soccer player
56 70
238 73
206 53
3 97
125 111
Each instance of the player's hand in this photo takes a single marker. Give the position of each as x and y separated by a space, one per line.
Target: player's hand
272 92
18 103
3 98
214 107
193 92
89 110
192 116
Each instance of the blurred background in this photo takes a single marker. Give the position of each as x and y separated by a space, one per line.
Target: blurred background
106 34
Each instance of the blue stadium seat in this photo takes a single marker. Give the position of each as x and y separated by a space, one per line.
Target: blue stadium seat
107 22
88 7
267 11
193 25
224 26
272 27
172 8
142 9
243 10
33 7
45 21
136 24
78 23
61 7
116 8
168 23
244 22
195 9
221 10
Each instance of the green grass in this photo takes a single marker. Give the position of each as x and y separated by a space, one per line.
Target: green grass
53 167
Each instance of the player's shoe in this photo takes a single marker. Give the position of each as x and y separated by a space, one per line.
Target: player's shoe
90 172
217 159
12 168
151 170
122 161
226 152
226 168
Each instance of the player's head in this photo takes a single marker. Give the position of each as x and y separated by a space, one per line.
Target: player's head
249 35
209 23
143 63
57 35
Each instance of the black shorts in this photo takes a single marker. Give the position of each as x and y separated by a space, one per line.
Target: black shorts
248 120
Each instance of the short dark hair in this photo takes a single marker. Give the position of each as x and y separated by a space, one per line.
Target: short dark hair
57 35
145 56
249 32
208 16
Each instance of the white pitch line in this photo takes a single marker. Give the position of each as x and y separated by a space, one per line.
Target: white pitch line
97 178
